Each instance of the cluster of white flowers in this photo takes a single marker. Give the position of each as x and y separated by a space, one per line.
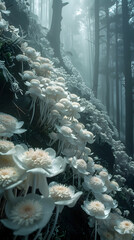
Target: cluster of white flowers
26 170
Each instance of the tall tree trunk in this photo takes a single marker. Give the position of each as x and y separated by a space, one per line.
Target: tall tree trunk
90 48
41 12
117 73
128 79
107 58
30 5
54 33
96 61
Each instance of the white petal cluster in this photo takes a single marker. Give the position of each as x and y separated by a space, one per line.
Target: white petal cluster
27 214
6 146
80 165
95 183
124 227
9 125
107 200
63 195
11 177
40 161
37 158
96 209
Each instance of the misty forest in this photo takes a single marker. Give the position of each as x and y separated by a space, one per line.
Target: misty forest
67 119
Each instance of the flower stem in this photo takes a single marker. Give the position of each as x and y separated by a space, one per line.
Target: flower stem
37 234
22 67
55 222
95 238
9 195
73 172
34 183
26 237
79 181
45 237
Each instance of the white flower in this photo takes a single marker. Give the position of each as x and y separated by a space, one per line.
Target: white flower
77 126
55 92
34 91
66 132
45 81
80 165
124 226
40 161
10 177
39 164
28 75
7 151
6 160
43 69
61 79
60 108
96 209
74 97
34 83
112 186
22 58
27 214
104 175
69 152
107 200
6 146
98 167
61 84
86 136
31 53
43 60
66 102
95 183
66 121
90 165
63 195
9 125
73 109
87 151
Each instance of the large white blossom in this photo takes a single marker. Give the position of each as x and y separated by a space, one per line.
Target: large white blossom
10 125
124 226
63 195
27 214
40 161
96 209
94 183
